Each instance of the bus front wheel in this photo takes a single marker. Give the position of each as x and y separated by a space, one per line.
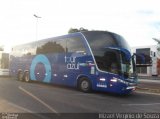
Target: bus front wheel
84 85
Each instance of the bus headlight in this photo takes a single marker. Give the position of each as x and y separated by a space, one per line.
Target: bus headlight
102 79
114 79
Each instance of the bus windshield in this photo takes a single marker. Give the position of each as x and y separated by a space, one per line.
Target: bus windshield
114 61
111 52
126 65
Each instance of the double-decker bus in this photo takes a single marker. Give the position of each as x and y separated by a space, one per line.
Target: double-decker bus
88 60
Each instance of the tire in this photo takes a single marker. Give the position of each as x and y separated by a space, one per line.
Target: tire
84 85
20 76
26 77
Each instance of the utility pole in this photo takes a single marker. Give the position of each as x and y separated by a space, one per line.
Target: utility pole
37 17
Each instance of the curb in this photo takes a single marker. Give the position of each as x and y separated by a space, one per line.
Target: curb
150 78
5 76
148 90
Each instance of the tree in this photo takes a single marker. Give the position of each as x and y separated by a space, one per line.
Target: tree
50 47
73 30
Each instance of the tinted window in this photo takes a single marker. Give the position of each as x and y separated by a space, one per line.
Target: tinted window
99 39
50 47
75 44
62 43
108 60
102 40
22 50
143 56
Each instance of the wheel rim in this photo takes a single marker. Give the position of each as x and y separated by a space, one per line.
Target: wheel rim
84 85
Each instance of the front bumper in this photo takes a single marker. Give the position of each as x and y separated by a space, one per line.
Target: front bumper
131 87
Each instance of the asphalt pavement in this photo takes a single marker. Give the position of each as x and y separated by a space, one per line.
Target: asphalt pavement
149 84
39 99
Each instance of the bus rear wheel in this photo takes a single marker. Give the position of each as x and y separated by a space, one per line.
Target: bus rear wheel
20 76
84 85
26 77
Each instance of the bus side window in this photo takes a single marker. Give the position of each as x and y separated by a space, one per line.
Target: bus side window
75 45
62 44
50 47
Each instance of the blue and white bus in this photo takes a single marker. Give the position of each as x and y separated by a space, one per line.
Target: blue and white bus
89 60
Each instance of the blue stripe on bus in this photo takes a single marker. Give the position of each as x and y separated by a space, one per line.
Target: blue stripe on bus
44 60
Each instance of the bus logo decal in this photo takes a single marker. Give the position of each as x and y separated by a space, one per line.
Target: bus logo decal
44 60
71 63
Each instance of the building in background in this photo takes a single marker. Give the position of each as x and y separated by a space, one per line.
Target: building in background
151 59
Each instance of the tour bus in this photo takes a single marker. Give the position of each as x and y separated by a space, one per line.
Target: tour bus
88 60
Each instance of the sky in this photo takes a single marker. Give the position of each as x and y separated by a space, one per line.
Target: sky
138 21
